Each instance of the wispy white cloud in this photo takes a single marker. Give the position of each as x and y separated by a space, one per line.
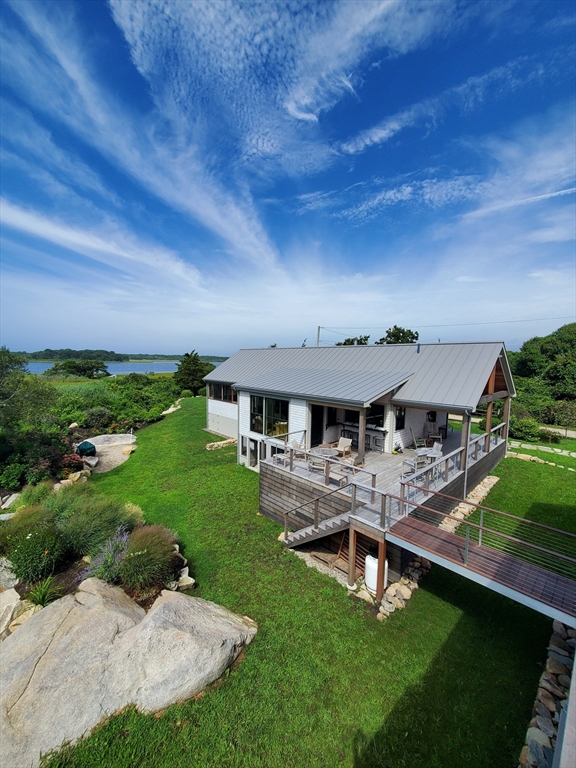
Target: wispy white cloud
466 96
111 244
55 74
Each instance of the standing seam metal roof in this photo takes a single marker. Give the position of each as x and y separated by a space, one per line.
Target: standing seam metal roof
442 375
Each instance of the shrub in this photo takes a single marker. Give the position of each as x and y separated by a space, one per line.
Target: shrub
44 592
186 393
71 462
149 559
93 522
106 564
524 429
35 494
38 472
12 476
547 436
97 418
24 521
36 554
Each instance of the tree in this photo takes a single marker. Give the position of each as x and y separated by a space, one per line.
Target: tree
90 369
191 372
360 341
12 373
398 335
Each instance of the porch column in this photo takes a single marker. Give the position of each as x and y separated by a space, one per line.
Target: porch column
465 444
491 385
506 417
361 435
352 559
380 572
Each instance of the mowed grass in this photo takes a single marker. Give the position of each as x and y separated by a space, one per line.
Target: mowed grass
450 681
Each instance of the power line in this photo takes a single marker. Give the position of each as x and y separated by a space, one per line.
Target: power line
337 329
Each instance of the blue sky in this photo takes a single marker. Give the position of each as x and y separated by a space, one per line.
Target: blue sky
215 175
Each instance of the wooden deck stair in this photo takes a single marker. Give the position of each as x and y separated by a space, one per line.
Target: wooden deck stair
325 528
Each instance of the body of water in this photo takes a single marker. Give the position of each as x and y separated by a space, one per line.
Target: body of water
163 366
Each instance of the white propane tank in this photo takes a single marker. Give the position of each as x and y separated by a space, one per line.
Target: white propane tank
371 573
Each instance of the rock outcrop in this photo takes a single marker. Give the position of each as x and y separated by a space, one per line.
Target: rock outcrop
90 654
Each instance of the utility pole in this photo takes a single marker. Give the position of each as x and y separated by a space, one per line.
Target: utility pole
318 336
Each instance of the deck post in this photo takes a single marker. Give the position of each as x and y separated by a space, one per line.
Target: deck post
362 436
291 459
353 500
402 495
467 545
315 514
465 444
352 559
326 472
491 387
373 495
506 417
481 527
383 504
381 568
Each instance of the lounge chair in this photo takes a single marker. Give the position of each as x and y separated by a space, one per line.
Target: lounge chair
419 442
344 446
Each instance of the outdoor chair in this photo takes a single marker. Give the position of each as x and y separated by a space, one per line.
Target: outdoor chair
414 465
315 464
419 442
344 446
299 449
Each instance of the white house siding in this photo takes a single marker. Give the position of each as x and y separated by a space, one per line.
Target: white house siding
223 418
416 419
297 419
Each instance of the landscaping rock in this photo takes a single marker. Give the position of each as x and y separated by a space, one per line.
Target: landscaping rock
564 681
7 577
559 629
90 461
547 699
557 642
129 449
7 516
88 655
10 500
546 726
404 592
23 617
555 667
535 734
10 605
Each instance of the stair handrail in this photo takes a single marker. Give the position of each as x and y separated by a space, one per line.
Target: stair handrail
312 501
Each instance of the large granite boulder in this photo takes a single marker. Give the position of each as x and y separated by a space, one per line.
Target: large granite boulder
87 655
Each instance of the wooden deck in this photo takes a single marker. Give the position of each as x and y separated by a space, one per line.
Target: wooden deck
494 568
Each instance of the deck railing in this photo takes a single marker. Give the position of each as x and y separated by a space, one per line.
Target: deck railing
549 548
315 511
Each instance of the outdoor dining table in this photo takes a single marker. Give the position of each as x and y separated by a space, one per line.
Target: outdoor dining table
325 453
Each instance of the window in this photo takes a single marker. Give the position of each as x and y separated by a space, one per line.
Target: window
352 417
243 446
256 413
331 417
400 418
375 416
222 392
276 417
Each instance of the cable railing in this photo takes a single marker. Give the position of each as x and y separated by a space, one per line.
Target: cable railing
315 511
535 543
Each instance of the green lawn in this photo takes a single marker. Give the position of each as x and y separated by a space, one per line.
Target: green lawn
448 682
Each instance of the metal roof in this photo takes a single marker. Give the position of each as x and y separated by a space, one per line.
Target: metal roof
344 387
442 376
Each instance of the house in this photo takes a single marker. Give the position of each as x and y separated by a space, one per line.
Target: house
382 396
288 408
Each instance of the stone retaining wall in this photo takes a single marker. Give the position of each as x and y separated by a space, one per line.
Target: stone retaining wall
551 699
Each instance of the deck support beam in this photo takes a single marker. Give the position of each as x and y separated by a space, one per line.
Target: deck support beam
362 436
352 559
465 444
381 568
506 417
489 407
